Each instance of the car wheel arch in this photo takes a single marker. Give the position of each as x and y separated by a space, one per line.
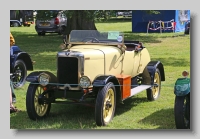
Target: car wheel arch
102 80
27 60
152 65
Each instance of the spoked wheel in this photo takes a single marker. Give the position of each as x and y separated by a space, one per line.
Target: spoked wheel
105 104
153 93
36 106
182 112
19 74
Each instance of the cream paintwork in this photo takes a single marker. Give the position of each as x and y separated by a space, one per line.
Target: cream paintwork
94 63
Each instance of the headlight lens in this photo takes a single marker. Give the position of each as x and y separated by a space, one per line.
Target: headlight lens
43 79
85 82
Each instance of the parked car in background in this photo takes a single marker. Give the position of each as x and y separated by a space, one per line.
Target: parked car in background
182 102
56 24
20 62
98 69
187 27
20 18
119 14
127 14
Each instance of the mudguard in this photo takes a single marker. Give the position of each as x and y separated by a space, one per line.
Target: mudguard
33 76
15 54
152 65
182 86
102 80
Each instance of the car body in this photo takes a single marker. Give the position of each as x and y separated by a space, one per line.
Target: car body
182 101
187 27
98 69
119 14
20 62
127 14
57 23
21 17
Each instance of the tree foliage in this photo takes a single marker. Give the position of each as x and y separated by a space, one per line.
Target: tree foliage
82 19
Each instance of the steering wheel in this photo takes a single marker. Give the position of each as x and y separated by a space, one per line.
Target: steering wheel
92 39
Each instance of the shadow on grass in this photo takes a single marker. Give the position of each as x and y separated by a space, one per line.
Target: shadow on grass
159 119
60 117
129 104
173 61
66 116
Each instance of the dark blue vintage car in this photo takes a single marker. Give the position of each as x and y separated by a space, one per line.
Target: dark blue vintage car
20 62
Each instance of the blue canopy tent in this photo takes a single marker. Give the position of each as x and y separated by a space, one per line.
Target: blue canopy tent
167 19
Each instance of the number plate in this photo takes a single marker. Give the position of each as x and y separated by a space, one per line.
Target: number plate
44 24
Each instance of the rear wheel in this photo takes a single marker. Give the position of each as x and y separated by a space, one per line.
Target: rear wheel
19 74
35 104
153 93
15 24
182 112
105 104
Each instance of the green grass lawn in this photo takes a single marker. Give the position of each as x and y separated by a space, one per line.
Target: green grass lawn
173 50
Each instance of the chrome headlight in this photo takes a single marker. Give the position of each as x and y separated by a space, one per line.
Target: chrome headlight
85 82
43 79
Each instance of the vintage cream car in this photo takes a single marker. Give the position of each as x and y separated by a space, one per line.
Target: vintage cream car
95 68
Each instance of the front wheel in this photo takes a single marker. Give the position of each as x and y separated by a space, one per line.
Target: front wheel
35 102
105 104
182 112
153 93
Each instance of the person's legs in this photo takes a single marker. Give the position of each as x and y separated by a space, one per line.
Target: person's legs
12 107
12 92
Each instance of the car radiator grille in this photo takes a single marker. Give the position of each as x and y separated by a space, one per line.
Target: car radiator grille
67 72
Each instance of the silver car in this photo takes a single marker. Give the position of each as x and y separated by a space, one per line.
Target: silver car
57 24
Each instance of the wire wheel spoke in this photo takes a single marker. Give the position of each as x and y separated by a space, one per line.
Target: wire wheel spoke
40 108
108 105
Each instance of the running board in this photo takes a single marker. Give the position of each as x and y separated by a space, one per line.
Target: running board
139 89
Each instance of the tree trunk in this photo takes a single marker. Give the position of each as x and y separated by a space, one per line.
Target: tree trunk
80 21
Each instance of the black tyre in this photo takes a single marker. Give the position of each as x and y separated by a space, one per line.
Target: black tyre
182 112
153 93
41 33
35 108
15 24
19 74
187 31
105 104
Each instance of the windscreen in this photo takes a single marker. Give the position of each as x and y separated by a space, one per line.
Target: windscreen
94 36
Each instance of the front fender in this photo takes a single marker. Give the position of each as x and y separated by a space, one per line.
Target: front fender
102 80
33 76
182 87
